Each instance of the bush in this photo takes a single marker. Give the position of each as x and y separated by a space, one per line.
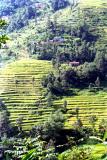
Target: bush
77 153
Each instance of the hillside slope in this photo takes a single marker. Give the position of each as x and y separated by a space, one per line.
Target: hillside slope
95 14
21 90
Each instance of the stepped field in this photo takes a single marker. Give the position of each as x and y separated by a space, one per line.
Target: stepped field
92 3
21 90
89 104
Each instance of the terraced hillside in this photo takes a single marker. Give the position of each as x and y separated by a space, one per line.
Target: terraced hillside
89 105
21 90
20 85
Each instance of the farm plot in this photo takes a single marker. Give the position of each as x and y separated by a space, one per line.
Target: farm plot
88 105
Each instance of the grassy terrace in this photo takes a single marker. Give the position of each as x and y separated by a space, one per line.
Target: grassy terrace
20 87
89 104
92 3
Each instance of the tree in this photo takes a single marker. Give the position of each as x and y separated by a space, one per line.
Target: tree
3 38
59 4
77 153
97 82
78 124
64 109
100 61
49 99
54 125
19 122
4 120
103 128
77 112
92 120
65 104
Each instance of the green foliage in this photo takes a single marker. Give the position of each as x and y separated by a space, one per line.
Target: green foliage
20 19
4 120
64 42
78 43
29 149
77 153
59 4
93 140
92 120
2 23
103 129
56 84
35 154
54 125
4 127
19 12
3 38
30 155
9 7
99 152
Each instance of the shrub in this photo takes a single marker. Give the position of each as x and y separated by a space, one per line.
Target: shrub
76 153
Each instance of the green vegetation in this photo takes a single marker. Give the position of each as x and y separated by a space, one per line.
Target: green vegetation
53 83
89 104
3 38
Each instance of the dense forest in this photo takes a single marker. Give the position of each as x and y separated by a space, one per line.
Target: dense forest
53 80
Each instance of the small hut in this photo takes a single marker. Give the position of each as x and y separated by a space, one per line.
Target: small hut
74 63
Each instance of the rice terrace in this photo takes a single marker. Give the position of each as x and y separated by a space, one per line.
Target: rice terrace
53 80
20 84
